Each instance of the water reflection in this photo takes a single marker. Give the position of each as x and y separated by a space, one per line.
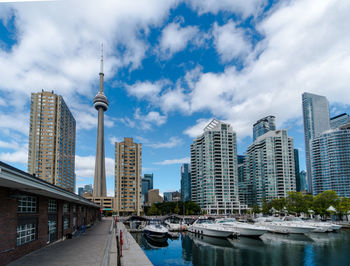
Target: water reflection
271 249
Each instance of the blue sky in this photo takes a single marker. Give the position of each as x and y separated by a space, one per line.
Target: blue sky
170 67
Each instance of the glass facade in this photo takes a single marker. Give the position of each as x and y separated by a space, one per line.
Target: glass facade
263 125
316 121
185 182
331 162
339 120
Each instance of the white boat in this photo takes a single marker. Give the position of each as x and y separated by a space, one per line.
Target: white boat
243 229
319 226
154 229
204 226
276 225
325 225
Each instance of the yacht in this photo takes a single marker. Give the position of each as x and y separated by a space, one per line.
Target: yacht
319 226
243 229
207 227
276 225
155 230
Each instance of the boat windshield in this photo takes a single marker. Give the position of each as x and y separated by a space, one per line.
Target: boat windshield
292 219
205 221
229 220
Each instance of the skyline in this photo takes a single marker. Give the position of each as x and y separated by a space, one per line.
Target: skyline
170 67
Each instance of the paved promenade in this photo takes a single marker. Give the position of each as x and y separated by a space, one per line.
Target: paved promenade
87 249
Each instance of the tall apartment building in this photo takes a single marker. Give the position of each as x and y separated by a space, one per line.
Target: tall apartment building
331 161
316 121
185 182
269 165
339 120
128 177
214 184
263 125
51 153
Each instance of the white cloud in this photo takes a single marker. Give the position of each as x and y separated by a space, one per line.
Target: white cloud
197 129
146 90
85 166
152 117
230 41
173 142
174 161
57 47
175 38
113 140
244 7
20 156
9 145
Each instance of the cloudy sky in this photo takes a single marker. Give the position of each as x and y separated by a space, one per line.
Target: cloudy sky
170 67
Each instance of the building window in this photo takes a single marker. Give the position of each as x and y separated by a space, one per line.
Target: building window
26 233
27 204
52 206
65 222
65 208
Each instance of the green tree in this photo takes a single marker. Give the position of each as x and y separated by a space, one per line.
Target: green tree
153 210
256 209
278 204
343 206
324 200
177 209
266 206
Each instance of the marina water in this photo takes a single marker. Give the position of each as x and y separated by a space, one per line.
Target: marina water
270 249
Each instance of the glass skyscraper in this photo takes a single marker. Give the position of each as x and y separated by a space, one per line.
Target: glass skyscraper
263 125
316 121
339 120
214 182
331 161
185 182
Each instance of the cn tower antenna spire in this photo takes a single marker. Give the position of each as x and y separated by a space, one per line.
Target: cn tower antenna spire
101 67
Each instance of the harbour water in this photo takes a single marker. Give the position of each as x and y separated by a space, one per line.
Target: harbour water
271 249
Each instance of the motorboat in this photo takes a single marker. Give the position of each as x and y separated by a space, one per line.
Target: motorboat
276 225
330 226
319 226
243 229
155 230
207 227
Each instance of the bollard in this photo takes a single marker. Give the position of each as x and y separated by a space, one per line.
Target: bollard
121 243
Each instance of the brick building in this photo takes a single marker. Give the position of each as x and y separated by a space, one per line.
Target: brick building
35 213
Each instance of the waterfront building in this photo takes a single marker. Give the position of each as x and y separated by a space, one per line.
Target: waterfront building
35 213
107 203
167 196
316 121
101 105
339 120
150 178
297 170
269 166
128 177
88 188
185 182
80 191
214 181
244 186
303 181
331 161
154 197
263 125
51 151
146 185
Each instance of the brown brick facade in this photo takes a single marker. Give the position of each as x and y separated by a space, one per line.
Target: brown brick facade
9 219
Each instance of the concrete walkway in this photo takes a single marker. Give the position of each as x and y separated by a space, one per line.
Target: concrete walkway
87 249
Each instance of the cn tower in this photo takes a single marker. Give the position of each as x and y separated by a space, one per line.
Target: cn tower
101 105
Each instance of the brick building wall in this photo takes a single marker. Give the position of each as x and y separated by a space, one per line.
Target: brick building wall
10 218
